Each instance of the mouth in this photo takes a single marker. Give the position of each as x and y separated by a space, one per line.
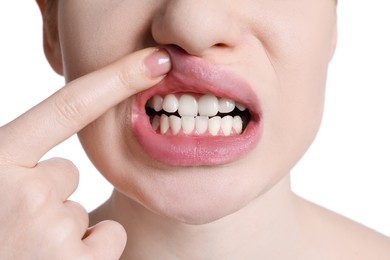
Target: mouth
199 115
195 114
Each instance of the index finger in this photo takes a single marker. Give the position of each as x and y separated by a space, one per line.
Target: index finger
27 138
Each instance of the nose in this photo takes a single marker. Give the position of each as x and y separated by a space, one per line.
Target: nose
196 26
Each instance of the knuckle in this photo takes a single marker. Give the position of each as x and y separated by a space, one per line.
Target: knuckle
67 166
80 213
129 75
36 195
80 208
62 233
70 107
65 228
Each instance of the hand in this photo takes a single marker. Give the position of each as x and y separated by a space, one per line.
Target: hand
36 219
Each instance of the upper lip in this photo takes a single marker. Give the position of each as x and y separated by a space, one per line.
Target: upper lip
191 74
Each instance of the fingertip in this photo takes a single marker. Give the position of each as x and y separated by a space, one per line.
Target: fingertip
117 230
158 63
107 239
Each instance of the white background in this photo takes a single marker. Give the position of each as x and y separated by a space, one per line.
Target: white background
348 167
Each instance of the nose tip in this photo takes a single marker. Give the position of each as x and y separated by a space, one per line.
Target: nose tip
194 26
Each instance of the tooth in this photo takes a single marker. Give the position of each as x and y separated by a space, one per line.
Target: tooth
164 124
156 103
156 122
201 124
188 106
208 105
226 125
240 106
237 124
188 124
175 124
170 103
226 105
214 125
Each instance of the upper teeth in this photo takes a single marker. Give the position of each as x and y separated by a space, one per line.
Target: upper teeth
187 105
196 115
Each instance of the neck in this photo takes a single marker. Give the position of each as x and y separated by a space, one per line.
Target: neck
259 230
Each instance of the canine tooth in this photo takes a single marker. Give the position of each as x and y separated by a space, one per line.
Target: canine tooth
164 124
156 103
170 103
188 124
240 106
175 124
226 125
188 106
208 105
237 124
156 122
226 105
214 125
201 124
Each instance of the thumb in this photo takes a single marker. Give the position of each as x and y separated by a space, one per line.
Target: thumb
106 240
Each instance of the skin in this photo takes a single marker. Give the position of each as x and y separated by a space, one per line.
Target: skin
287 50
39 222
281 48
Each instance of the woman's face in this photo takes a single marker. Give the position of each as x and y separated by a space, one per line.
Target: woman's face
269 55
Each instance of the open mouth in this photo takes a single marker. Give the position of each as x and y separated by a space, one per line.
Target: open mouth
200 114
196 115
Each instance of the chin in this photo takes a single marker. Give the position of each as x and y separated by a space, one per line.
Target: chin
199 212
196 196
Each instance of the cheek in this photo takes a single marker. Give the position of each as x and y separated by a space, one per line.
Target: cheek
298 41
94 35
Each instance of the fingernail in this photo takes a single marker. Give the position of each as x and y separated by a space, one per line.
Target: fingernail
158 63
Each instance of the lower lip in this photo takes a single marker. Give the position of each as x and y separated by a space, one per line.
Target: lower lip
185 150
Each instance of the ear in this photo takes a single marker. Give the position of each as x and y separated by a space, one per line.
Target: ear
51 43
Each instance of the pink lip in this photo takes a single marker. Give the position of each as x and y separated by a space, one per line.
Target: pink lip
192 74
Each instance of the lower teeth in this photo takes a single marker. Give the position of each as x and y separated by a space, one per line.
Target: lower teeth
199 125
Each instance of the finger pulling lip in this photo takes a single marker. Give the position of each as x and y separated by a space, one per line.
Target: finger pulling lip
191 74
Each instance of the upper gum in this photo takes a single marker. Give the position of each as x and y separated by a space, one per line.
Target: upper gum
195 95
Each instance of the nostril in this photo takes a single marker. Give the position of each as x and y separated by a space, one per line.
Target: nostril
221 45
